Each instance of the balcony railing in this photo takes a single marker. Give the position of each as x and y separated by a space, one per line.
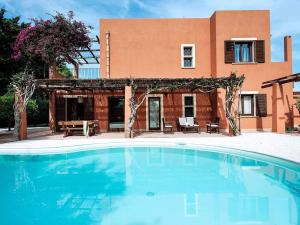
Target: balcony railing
88 73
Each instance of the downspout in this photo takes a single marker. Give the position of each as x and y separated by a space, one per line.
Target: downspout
107 55
240 95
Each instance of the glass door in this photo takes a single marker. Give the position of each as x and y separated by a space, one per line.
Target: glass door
154 113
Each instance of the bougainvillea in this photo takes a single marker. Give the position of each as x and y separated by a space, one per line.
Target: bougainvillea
53 40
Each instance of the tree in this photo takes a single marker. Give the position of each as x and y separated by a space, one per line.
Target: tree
64 71
54 40
9 30
7 111
23 86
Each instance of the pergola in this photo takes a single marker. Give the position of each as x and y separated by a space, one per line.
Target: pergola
279 100
282 80
231 84
86 55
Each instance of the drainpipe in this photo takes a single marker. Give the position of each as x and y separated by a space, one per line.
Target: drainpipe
240 95
107 55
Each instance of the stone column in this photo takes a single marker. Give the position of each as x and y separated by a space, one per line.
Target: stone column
221 113
128 94
52 111
278 117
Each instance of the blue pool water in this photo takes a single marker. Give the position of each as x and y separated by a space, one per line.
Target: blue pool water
148 186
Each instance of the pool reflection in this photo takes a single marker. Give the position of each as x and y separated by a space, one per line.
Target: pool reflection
146 186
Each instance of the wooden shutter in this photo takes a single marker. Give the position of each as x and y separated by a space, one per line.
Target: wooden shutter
260 51
229 51
261 105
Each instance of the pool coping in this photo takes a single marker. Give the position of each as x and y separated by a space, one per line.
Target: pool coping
274 145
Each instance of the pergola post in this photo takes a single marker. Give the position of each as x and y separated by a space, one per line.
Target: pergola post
23 125
278 117
75 72
221 98
52 111
52 71
128 95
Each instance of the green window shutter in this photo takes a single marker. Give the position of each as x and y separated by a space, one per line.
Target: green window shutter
261 105
260 51
229 51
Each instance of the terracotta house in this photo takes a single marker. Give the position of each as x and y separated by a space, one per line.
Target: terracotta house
228 41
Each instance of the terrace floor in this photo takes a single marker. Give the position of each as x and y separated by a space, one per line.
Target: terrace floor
286 146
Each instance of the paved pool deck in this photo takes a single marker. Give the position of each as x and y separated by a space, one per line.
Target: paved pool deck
283 146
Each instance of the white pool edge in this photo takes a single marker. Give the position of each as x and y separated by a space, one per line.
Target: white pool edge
279 146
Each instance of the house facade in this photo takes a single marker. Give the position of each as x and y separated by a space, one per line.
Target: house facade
228 41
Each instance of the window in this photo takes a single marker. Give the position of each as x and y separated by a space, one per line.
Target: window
253 103
246 105
188 56
243 52
189 105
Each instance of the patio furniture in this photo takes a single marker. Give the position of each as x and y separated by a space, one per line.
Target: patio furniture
167 127
69 127
193 123
213 126
188 123
116 126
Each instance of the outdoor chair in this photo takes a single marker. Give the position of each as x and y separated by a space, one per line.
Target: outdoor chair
188 123
213 126
192 123
167 127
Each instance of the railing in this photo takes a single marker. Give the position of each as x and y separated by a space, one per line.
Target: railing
88 73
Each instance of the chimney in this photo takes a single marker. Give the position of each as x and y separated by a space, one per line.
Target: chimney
288 49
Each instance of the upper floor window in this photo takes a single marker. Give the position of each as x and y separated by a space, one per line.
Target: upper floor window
243 52
188 56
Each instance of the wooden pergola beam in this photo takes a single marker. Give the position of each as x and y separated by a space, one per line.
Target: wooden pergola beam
78 52
282 80
93 54
202 84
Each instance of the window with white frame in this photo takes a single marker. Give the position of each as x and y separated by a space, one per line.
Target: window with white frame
189 105
188 55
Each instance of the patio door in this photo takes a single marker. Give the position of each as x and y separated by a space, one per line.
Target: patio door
154 116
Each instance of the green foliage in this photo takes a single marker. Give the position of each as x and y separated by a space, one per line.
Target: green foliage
7 111
297 104
63 70
9 30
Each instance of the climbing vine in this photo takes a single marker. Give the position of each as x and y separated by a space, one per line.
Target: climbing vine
231 84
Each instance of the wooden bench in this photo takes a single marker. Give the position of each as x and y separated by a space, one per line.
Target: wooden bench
69 127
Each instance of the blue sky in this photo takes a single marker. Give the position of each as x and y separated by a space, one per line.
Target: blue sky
284 14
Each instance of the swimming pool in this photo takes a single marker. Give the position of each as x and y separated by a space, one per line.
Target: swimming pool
139 185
